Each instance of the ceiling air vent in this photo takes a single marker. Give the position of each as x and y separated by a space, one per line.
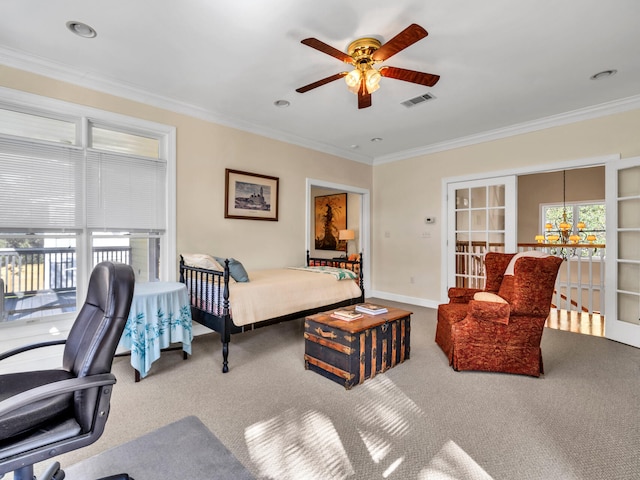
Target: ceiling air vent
412 102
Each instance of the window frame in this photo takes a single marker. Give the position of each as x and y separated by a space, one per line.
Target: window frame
85 116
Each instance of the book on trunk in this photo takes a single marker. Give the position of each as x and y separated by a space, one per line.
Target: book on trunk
346 315
371 309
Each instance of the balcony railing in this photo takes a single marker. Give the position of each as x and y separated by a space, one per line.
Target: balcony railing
39 279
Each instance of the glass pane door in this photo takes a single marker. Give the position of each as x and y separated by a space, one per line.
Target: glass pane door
481 218
623 251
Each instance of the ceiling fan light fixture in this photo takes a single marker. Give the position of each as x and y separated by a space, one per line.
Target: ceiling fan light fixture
352 79
363 54
372 80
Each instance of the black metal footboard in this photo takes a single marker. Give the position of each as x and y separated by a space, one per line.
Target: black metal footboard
209 298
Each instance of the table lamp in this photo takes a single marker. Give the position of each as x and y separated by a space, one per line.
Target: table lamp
346 235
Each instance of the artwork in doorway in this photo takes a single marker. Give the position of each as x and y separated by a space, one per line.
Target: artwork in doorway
330 218
250 196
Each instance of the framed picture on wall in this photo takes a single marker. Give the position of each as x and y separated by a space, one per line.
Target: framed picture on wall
250 196
330 214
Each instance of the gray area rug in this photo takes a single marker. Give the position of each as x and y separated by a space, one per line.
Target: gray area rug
180 450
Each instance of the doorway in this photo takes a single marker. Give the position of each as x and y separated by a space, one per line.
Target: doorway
361 217
580 289
610 162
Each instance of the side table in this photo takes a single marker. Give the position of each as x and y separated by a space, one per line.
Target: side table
160 315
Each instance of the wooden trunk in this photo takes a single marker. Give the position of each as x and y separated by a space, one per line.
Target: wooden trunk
349 352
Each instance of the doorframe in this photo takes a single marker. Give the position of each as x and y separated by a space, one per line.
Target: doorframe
365 221
616 329
525 170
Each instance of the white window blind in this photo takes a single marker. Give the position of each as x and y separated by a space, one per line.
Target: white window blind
126 143
41 185
125 193
33 126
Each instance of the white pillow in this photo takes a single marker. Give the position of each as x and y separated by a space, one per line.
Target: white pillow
202 260
528 253
488 297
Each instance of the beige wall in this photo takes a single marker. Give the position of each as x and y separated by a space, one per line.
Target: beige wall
405 192
204 150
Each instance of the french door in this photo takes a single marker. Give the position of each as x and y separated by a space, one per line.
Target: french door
622 322
481 217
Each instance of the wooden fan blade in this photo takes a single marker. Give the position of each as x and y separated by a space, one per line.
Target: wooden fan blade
328 49
319 83
405 38
364 97
410 76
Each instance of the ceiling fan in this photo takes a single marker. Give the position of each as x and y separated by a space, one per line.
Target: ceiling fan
363 54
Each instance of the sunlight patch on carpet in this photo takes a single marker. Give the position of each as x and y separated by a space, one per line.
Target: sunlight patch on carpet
386 415
298 444
453 463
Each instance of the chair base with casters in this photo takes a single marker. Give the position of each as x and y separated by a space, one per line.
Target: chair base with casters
46 413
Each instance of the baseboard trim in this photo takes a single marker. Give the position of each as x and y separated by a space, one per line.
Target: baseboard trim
421 302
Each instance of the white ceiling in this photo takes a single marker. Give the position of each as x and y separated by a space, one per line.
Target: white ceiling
506 66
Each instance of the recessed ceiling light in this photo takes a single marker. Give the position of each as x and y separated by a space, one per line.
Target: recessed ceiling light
603 74
81 29
354 146
376 139
281 103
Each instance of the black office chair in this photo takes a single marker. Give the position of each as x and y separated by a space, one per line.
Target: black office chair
46 413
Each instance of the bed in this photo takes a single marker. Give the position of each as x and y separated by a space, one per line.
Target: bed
228 306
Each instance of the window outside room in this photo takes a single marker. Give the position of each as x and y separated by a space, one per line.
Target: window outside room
592 214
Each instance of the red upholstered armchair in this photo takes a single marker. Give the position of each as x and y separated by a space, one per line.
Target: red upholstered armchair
501 329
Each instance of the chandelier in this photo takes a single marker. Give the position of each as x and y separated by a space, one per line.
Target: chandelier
563 233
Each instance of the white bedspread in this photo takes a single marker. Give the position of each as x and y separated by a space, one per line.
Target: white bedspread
273 293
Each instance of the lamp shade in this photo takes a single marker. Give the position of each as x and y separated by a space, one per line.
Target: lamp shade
346 235
353 79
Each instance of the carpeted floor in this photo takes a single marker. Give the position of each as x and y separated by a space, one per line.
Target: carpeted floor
420 420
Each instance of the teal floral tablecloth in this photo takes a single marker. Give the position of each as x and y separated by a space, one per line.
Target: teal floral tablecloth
160 315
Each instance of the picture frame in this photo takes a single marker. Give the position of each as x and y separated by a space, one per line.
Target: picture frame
250 196
330 212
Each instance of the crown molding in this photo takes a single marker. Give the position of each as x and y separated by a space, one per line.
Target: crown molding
588 113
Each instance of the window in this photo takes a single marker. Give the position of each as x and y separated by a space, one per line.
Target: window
593 214
78 188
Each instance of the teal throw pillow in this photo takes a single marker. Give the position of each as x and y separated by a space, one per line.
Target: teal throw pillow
236 269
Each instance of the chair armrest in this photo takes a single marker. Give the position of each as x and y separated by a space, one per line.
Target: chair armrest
461 294
489 311
56 388
33 346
